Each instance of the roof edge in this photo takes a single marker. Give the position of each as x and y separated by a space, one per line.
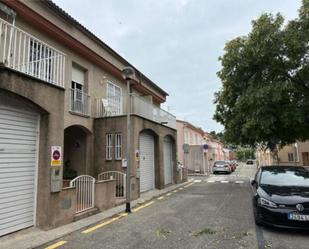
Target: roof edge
87 32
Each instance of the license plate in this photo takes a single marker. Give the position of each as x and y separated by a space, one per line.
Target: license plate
296 216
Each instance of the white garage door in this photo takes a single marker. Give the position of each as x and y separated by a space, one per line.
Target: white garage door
168 161
147 178
18 140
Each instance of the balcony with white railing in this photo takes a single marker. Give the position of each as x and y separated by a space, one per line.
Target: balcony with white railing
79 102
27 54
140 106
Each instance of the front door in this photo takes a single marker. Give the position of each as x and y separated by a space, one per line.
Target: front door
305 158
168 161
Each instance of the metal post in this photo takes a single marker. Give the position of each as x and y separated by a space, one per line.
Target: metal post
128 175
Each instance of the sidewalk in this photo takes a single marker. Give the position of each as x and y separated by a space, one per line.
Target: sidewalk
34 237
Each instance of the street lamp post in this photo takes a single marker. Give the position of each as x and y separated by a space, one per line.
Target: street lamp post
128 75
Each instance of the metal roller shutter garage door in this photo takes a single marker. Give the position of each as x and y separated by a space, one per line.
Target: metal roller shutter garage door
168 161
147 178
18 144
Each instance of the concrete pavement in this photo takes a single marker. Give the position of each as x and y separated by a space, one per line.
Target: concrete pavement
34 237
203 215
210 212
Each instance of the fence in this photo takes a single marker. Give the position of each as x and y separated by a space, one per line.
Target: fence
150 111
112 106
84 185
120 181
25 53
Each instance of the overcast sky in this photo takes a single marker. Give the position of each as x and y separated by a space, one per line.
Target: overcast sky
176 43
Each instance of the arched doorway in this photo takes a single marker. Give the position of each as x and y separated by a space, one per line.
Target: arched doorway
76 146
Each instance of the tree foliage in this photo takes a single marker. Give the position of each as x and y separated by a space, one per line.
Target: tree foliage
243 154
265 77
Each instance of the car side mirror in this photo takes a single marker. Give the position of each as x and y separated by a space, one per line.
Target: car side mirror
253 183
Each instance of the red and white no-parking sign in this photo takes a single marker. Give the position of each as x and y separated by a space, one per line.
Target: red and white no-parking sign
56 156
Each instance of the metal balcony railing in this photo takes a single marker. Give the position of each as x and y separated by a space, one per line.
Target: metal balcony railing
113 107
27 54
79 102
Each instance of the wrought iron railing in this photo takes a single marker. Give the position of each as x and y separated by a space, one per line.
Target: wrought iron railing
27 54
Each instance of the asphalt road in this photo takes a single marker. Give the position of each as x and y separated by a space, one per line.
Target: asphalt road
214 212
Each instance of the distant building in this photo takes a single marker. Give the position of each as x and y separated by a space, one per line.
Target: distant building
294 154
189 134
204 149
216 150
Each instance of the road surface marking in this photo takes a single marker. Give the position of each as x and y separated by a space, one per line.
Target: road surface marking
180 188
197 180
239 182
224 181
210 181
89 230
161 198
168 194
175 191
143 206
56 245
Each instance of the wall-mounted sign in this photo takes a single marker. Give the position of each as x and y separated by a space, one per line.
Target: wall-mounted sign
205 146
124 162
56 158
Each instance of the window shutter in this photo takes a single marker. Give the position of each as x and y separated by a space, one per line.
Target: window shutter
78 75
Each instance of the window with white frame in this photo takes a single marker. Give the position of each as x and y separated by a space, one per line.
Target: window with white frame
114 98
118 146
77 90
109 146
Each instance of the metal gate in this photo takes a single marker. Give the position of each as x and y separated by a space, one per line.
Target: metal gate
120 181
18 166
84 186
147 162
168 161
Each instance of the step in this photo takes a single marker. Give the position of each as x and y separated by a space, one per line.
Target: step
86 213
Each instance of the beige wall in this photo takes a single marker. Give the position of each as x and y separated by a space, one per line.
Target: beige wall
40 98
118 125
266 157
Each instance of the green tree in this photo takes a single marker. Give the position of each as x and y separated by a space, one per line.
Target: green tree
265 77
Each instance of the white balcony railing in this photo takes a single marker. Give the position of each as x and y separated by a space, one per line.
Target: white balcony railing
27 54
140 106
79 102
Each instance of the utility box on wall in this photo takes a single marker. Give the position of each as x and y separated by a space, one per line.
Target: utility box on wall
55 179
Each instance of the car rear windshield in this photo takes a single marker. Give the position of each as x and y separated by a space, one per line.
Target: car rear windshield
220 163
285 177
